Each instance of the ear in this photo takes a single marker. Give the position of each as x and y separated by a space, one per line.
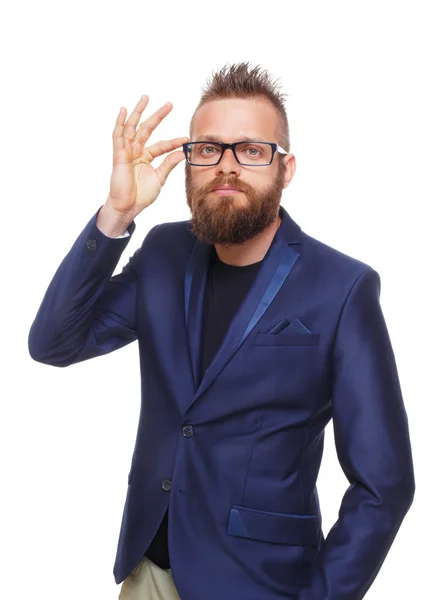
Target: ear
290 168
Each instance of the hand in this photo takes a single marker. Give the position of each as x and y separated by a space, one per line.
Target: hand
134 183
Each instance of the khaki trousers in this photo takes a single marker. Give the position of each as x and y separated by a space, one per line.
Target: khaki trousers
148 582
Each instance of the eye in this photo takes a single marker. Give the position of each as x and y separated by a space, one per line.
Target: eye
208 150
252 151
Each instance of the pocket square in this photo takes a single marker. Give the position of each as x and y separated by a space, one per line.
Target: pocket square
294 326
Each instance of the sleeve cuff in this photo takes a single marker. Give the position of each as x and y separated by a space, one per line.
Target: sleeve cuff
125 234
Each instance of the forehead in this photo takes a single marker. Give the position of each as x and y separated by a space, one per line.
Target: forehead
231 119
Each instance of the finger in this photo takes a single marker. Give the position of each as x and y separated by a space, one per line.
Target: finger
166 146
168 164
118 140
147 127
132 123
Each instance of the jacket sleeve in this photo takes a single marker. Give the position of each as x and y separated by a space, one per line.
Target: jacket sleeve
373 448
85 312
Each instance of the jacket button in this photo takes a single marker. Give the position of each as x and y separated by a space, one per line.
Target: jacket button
166 485
91 244
187 431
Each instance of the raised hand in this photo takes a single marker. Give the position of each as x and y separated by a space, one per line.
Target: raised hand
134 183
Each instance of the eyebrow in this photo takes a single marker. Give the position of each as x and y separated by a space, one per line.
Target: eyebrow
212 138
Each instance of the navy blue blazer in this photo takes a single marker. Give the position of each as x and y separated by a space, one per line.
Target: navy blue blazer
236 455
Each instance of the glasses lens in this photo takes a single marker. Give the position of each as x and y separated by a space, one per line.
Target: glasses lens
254 153
203 153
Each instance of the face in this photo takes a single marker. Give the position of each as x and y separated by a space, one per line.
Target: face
235 216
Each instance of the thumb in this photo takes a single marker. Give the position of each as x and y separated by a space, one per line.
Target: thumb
170 162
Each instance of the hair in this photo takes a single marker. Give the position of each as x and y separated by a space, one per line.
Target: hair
241 80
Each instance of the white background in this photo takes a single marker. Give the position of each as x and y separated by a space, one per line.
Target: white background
355 75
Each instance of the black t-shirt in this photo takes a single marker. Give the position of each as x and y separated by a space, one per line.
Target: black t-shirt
226 288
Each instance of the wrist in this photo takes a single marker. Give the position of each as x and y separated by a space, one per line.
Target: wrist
111 222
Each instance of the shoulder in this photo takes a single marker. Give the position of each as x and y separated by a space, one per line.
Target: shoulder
319 257
329 268
327 256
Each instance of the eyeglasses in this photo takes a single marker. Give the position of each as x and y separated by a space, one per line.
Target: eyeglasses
249 154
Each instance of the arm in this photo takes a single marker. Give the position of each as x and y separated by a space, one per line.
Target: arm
85 312
373 448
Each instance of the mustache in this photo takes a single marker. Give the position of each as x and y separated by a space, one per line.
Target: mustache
230 181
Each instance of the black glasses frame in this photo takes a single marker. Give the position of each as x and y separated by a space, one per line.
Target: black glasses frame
275 148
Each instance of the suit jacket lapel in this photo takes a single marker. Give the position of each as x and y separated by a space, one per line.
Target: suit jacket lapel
195 286
275 268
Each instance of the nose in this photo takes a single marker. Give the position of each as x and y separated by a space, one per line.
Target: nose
228 164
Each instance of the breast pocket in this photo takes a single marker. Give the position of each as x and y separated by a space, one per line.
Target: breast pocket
287 339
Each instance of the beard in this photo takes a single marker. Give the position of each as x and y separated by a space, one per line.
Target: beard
232 219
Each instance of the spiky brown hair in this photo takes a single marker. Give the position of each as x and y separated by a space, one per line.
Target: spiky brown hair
241 80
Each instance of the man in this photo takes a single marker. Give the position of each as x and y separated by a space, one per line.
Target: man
252 336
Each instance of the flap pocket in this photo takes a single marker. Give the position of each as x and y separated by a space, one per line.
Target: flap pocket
280 528
287 339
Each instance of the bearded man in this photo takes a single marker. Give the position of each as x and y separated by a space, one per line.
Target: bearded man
252 337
